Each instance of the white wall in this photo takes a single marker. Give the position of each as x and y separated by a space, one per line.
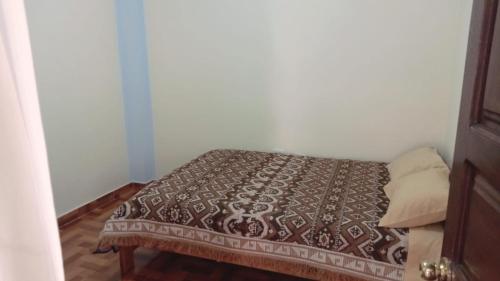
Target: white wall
210 70
463 22
76 63
359 79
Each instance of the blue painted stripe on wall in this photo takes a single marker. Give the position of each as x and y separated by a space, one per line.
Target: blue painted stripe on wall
135 87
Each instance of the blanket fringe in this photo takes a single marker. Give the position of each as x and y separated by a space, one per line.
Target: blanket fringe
221 255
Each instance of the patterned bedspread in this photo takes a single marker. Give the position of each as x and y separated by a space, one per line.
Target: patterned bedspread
313 215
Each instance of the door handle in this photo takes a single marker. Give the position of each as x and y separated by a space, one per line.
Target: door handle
440 271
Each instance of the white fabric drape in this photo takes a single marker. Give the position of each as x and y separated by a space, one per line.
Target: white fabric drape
29 239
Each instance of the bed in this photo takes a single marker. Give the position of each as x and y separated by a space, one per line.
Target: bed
305 216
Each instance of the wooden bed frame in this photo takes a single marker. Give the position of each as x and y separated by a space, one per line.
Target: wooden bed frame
127 264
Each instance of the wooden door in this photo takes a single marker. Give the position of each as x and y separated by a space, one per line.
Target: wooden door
472 230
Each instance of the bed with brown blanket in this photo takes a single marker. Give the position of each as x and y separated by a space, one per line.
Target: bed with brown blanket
305 216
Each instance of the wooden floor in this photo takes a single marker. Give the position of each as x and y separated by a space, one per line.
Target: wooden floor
79 240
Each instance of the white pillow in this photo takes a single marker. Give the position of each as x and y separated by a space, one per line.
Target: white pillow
415 161
417 199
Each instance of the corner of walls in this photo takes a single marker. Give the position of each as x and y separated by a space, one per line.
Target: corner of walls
133 55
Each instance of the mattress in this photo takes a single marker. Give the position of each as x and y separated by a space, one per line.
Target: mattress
306 216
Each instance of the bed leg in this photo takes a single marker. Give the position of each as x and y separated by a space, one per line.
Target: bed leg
127 262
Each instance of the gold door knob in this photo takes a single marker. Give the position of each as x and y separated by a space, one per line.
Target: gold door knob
436 271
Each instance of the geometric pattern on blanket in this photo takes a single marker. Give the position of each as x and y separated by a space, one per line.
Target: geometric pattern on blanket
320 211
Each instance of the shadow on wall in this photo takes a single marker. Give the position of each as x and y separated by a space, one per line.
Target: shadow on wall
329 78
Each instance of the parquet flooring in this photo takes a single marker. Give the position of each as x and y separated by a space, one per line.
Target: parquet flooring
79 240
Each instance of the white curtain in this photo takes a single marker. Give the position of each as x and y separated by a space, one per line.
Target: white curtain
29 239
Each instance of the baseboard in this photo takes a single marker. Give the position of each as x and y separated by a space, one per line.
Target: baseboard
120 193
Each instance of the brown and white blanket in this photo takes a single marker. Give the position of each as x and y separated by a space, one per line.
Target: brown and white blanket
307 216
